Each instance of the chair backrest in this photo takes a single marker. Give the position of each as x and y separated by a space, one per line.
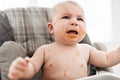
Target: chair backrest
30 28
5 29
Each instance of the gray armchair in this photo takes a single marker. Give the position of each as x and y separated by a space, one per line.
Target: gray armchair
29 27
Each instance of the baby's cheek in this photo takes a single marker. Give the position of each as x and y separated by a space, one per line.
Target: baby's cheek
82 32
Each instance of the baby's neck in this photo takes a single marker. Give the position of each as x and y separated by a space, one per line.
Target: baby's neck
67 45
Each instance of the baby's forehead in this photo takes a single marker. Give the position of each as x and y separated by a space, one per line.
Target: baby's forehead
66 6
69 8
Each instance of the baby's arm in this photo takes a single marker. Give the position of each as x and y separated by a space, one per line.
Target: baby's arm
104 59
21 68
25 68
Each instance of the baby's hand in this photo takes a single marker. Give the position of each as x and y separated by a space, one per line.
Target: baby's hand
18 68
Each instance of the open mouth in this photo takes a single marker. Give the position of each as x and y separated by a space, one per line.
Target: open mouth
72 32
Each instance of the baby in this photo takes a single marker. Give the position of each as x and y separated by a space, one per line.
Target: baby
63 59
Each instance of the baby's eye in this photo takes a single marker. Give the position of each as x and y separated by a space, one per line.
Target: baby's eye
65 17
80 19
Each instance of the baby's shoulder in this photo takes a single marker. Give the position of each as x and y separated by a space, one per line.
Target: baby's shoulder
45 46
83 45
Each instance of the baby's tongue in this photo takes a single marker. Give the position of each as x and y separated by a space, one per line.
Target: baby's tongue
72 34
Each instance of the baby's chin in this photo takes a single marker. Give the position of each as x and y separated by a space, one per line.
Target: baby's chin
71 39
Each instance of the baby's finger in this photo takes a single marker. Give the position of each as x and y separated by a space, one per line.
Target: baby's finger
15 75
27 59
21 62
20 68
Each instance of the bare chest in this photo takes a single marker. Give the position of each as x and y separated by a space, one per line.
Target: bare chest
65 65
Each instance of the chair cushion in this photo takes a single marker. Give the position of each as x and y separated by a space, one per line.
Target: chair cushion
30 26
9 51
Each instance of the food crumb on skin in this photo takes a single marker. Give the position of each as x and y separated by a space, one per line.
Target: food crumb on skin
82 32
78 54
75 56
69 36
65 72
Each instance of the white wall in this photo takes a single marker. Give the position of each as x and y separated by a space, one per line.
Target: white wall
116 19
116 30
4 4
98 16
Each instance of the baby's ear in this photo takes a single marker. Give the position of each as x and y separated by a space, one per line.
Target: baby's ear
50 27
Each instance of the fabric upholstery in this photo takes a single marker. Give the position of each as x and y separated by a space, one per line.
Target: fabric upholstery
30 27
8 52
6 32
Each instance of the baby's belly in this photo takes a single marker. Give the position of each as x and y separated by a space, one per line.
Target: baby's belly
65 74
70 69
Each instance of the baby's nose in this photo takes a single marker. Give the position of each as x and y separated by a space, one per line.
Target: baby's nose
74 23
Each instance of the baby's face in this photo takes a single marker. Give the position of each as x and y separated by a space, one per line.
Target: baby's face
68 24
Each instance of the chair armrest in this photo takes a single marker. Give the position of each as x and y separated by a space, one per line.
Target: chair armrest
105 70
103 76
